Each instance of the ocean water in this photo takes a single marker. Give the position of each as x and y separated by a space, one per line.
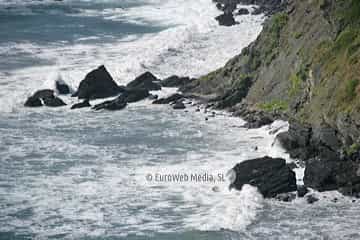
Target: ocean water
95 175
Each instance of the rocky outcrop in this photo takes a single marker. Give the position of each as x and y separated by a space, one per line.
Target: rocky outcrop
83 104
175 81
226 19
270 175
178 105
112 105
145 81
98 84
172 98
44 97
62 87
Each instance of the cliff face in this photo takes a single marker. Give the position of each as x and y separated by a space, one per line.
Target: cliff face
305 65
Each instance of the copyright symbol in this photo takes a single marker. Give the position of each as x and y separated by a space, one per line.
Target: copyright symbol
149 177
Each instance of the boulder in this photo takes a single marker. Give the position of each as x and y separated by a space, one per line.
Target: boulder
311 199
270 175
112 105
173 98
302 191
53 102
44 97
174 81
97 84
243 11
134 95
145 81
178 105
285 197
33 102
83 104
226 19
62 87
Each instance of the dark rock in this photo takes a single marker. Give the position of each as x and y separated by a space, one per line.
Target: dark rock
243 11
145 81
44 97
270 175
62 87
134 95
292 165
98 84
53 102
286 141
179 105
153 97
112 105
257 121
33 102
285 197
311 199
83 104
174 81
173 98
302 191
226 19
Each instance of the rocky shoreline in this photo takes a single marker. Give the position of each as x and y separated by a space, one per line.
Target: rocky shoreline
331 163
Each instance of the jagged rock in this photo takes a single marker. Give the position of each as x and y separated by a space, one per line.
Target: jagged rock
226 19
270 175
175 81
98 84
302 191
83 104
153 97
44 97
173 98
112 105
146 81
62 87
311 199
243 11
179 105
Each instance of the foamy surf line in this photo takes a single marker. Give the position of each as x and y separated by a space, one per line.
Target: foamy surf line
193 46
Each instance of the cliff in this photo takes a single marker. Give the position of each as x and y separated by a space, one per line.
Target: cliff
305 67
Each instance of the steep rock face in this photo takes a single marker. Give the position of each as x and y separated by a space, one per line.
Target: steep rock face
305 67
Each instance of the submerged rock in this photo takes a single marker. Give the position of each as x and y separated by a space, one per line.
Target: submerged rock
112 105
98 84
285 197
179 105
302 191
83 104
53 102
311 199
145 81
270 175
243 11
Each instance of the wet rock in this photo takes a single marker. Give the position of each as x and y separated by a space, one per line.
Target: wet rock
179 105
302 191
311 199
98 84
226 19
134 95
173 98
112 105
83 104
243 11
292 165
175 81
285 197
44 97
33 102
270 175
153 97
62 87
145 81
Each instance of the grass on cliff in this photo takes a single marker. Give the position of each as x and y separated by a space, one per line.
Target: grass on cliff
274 106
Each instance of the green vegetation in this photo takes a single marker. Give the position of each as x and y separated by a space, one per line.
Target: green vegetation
352 149
210 75
350 89
274 106
297 35
345 39
295 85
